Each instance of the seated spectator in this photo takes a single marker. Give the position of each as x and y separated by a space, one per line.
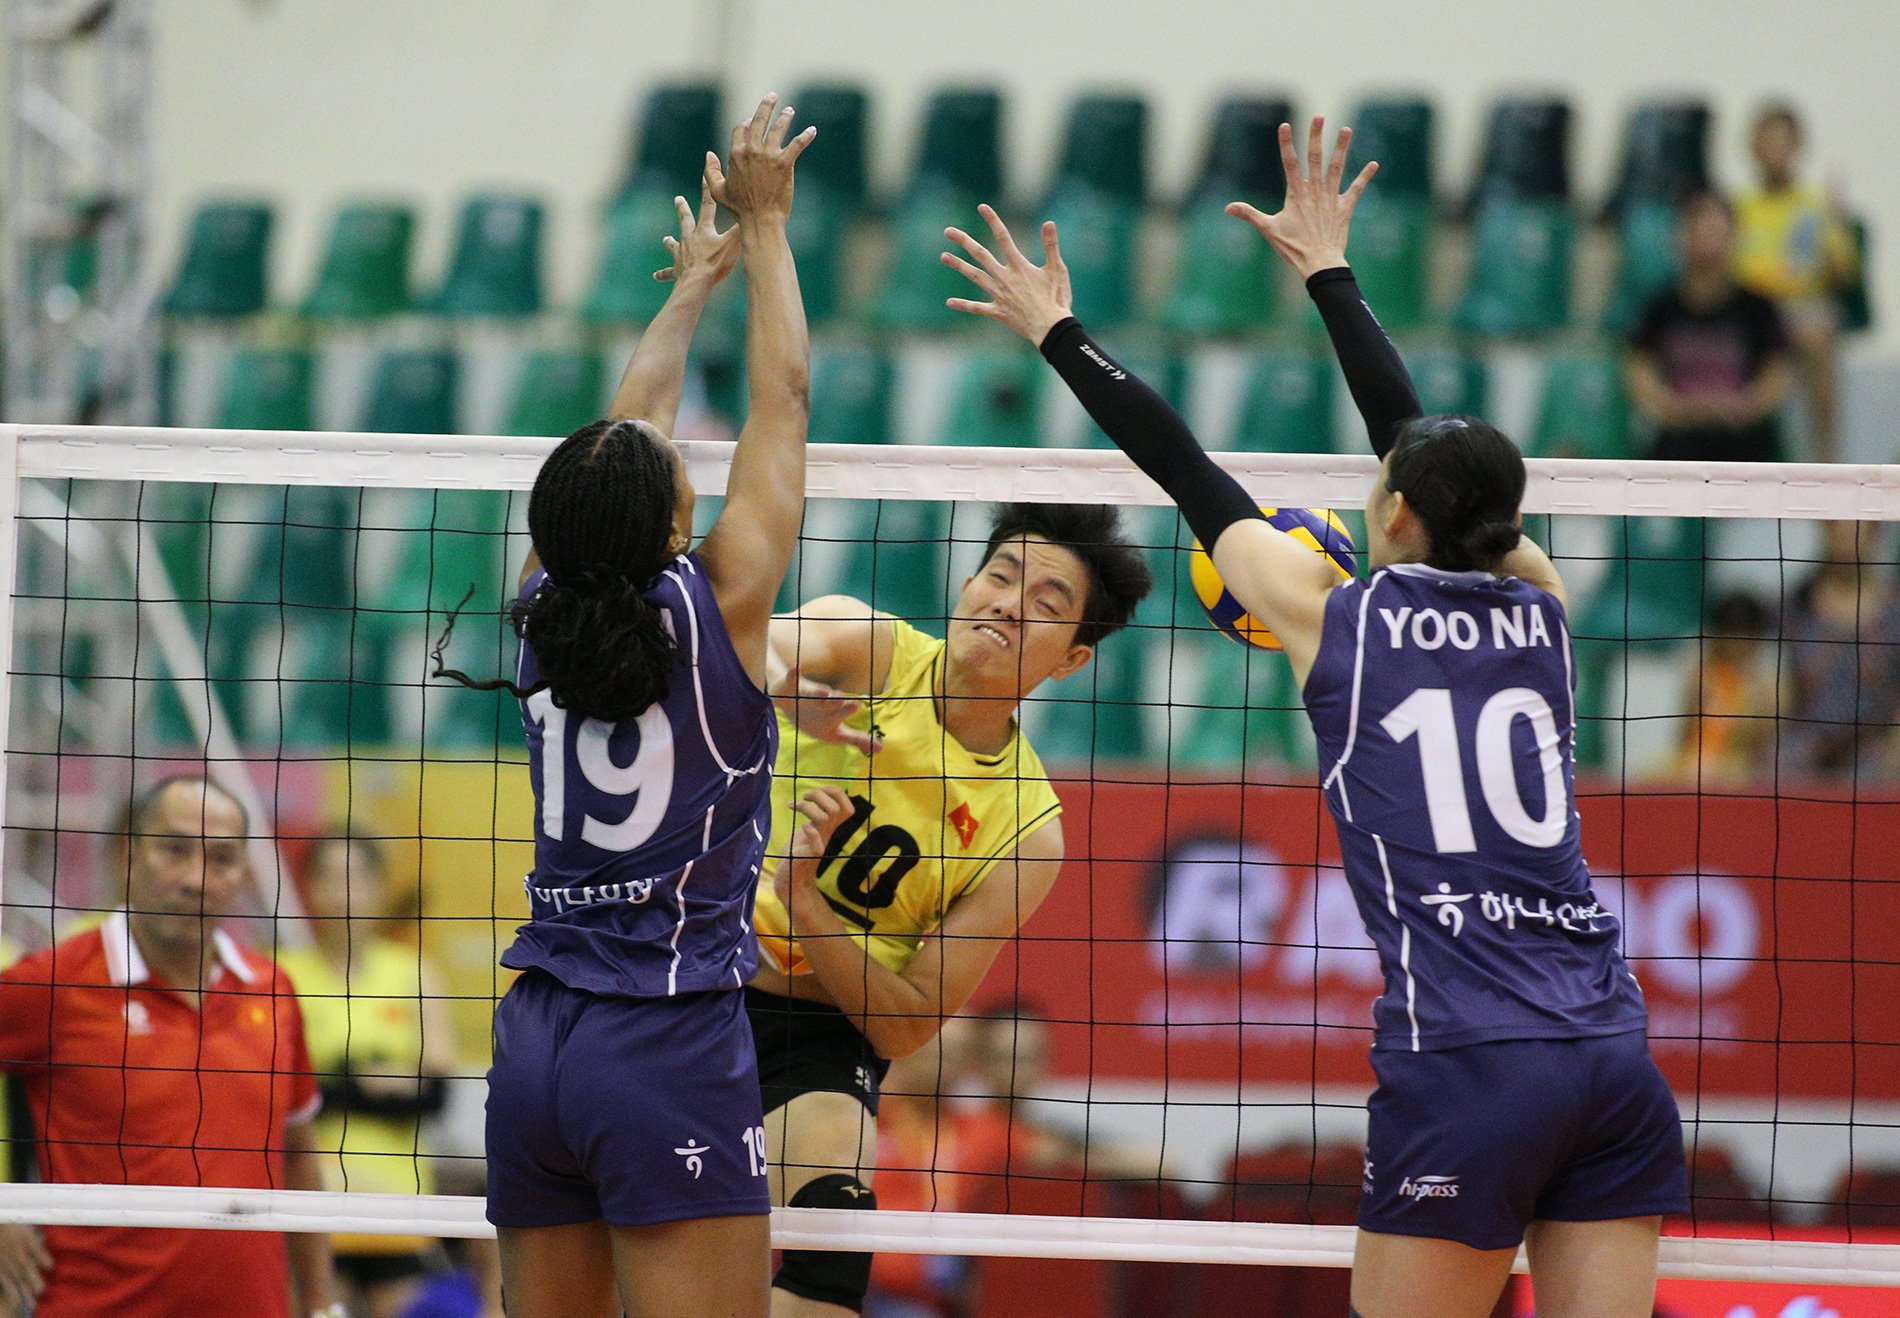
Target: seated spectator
382 1045
1728 740
157 1050
1843 664
1793 247
1707 364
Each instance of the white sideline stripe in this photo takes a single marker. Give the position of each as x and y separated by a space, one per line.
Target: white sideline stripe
890 1232
1802 491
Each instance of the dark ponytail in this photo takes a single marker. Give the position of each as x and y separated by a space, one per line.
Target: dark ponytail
601 519
1464 479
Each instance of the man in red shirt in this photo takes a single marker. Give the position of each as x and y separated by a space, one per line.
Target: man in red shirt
155 1050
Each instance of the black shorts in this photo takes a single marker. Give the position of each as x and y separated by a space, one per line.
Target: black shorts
811 1048
367 1270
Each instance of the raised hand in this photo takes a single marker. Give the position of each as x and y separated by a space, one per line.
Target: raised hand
701 252
822 810
1028 298
756 180
1310 230
820 711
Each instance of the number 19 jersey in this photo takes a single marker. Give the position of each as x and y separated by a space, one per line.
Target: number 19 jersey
649 832
1443 706
931 818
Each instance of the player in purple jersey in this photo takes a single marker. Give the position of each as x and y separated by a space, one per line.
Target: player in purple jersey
626 1144
1517 1100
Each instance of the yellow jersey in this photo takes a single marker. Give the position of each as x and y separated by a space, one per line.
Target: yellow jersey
931 819
371 1023
1790 245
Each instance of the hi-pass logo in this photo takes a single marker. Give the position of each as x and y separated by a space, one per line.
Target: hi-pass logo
1429 1187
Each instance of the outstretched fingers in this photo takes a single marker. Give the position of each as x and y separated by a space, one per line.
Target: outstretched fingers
1289 159
708 208
775 135
753 131
715 178
974 308
799 143
981 254
1051 249
1316 149
1358 187
1337 169
685 212
1000 232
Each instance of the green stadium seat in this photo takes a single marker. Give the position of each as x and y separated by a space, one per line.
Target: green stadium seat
897 559
1100 713
1226 277
267 389
1449 381
365 272
1526 152
1100 235
1648 262
1396 132
1243 154
1243 711
961 146
496 268
1105 147
680 125
842 112
1391 256
1582 411
223 274
1857 309
1665 156
624 291
556 392
413 392
997 399
851 390
817 230
1520 268
1654 588
917 282
1288 405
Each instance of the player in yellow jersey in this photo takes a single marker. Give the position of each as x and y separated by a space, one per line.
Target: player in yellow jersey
952 839
1793 247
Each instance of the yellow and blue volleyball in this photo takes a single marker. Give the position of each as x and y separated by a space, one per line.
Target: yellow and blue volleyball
1317 528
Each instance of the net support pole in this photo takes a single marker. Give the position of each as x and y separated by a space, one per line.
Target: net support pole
9 569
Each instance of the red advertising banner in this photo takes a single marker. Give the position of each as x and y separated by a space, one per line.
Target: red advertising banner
1202 931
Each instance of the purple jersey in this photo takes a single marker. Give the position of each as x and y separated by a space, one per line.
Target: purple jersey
1446 721
649 832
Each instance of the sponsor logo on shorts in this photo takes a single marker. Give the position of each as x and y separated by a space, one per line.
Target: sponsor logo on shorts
1365 1181
864 1079
691 1153
1429 1187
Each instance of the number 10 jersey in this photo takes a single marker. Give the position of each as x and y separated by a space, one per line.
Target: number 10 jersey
1444 710
931 818
649 832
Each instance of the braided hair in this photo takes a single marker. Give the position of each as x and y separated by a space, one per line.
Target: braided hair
1465 480
601 519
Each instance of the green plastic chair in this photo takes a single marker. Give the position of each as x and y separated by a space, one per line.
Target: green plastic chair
897 559
267 389
557 391
496 269
1520 268
226 252
1526 152
1099 714
1226 278
1449 380
1582 411
917 282
1397 132
1244 710
1856 303
961 147
624 291
365 272
412 392
1105 148
996 400
842 112
1392 237
1653 592
680 125
816 232
1100 238
1665 156
1288 406
1243 154
851 391
1648 264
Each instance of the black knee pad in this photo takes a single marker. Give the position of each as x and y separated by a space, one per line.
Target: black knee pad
829 1276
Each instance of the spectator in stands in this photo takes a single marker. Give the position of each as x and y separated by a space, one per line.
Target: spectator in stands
157 1050
1794 247
1843 664
1728 739
919 1159
1707 365
383 1048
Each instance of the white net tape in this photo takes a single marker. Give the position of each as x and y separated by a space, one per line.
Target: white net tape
1595 488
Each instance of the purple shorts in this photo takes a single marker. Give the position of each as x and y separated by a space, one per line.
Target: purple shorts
1474 1144
624 1110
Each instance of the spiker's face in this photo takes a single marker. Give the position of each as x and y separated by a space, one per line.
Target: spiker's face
1016 619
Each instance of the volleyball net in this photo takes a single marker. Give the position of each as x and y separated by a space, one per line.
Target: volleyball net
1169 1063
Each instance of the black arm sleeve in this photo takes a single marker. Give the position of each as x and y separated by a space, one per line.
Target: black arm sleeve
1380 384
1144 427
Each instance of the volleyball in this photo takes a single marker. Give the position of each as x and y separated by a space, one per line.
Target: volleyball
1318 528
